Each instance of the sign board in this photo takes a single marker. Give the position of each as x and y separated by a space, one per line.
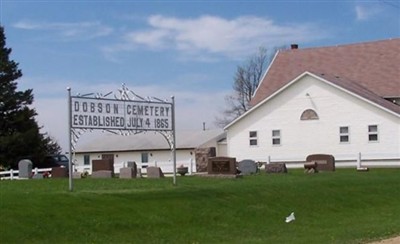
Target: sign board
109 114
128 112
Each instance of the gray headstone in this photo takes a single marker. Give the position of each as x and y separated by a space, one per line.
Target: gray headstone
247 167
154 172
276 168
102 174
127 173
131 164
37 176
76 175
25 169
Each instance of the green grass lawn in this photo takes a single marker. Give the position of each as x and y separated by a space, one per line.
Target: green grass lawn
337 207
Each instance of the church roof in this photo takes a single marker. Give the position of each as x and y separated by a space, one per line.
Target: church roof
185 139
372 67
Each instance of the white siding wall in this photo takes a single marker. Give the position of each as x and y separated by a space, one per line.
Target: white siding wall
222 149
334 107
162 159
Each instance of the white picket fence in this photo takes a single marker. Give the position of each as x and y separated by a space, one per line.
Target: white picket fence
13 174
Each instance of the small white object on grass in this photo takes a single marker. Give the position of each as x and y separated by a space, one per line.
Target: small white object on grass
290 218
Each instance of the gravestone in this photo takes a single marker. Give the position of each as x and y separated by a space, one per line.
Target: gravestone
131 164
59 172
127 173
25 169
102 174
222 165
37 176
247 167
276 168
76 175
154 172
325 162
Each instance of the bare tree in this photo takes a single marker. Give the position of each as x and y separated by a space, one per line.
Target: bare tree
246 80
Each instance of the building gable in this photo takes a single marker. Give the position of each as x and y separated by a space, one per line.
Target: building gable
372 65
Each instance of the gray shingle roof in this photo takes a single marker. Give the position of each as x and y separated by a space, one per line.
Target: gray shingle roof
149 141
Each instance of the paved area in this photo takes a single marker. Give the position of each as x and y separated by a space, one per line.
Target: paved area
395 240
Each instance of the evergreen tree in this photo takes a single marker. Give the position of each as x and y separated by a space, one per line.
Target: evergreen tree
19 132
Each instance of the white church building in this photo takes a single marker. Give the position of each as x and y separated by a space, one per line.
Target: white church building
339 100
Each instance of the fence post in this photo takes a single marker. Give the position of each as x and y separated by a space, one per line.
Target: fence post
11 174
268 159
359 160
191 166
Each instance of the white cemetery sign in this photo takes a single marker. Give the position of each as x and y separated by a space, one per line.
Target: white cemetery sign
124 113
96 113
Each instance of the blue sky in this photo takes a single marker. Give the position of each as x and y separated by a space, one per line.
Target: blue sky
189 49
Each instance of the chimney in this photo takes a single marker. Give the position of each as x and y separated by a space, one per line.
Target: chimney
294 46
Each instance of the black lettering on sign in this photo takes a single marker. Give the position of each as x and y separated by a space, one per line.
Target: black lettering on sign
84 106
76 106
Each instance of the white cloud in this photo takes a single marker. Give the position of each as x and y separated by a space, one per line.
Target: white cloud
70 30
366 11
216 36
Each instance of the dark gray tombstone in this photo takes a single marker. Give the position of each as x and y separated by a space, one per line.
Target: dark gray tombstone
276 168
247 167
25 169
154 172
